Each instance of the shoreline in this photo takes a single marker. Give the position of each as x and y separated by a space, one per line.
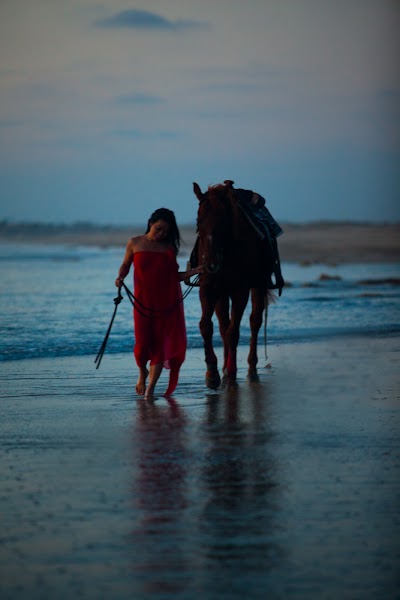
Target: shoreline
319 242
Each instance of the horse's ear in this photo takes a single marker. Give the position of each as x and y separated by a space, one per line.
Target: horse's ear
198 192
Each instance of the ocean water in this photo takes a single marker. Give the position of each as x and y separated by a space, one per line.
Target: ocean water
58 301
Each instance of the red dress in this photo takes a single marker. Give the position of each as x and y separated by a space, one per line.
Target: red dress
161 336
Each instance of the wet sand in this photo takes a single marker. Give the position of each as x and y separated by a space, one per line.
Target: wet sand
330 243
286 489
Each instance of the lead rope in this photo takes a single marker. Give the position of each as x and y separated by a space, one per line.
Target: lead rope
135 302
265 325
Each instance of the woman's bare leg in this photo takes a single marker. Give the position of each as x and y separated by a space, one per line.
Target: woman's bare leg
155 372
141 382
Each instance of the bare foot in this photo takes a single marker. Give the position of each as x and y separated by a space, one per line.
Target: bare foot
155 371
141 382
149 393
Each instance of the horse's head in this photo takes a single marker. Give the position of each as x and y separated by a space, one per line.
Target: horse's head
213 225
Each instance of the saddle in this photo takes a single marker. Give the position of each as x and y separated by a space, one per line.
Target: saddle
257 214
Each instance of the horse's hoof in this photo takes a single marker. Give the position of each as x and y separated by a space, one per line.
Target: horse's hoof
231 384
229 380
213 380
225 378
253 377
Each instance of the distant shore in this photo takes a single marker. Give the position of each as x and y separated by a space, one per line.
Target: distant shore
318 242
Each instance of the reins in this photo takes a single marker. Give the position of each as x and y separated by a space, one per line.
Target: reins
141 308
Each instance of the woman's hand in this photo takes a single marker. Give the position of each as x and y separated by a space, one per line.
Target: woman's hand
198 270
186 275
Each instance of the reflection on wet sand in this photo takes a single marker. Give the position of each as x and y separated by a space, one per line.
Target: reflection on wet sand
239 481
205 495
159 497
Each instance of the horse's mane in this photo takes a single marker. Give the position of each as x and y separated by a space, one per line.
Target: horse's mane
217 190
222 187
224 192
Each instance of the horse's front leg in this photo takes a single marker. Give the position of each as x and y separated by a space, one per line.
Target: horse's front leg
208 301
258 300
239 302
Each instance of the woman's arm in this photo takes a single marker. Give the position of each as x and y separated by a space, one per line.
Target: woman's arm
126 264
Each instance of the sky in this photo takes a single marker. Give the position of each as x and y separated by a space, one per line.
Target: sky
110 109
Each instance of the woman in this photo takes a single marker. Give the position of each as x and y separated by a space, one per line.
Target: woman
160 332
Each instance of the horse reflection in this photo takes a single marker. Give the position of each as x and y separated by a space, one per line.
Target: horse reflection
240 484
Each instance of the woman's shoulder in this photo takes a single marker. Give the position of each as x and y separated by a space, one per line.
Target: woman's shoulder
134 243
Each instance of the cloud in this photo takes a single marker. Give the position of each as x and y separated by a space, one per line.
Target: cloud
390 94
141 99
237 87
143 19
11 123
140 134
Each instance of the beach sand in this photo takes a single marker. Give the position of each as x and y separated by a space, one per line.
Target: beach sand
330 242
285 489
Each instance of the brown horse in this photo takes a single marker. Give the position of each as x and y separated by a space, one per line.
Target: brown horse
236 261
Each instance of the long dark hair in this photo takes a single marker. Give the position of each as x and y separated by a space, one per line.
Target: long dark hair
164 214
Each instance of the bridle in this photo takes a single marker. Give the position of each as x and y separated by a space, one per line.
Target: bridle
207 249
